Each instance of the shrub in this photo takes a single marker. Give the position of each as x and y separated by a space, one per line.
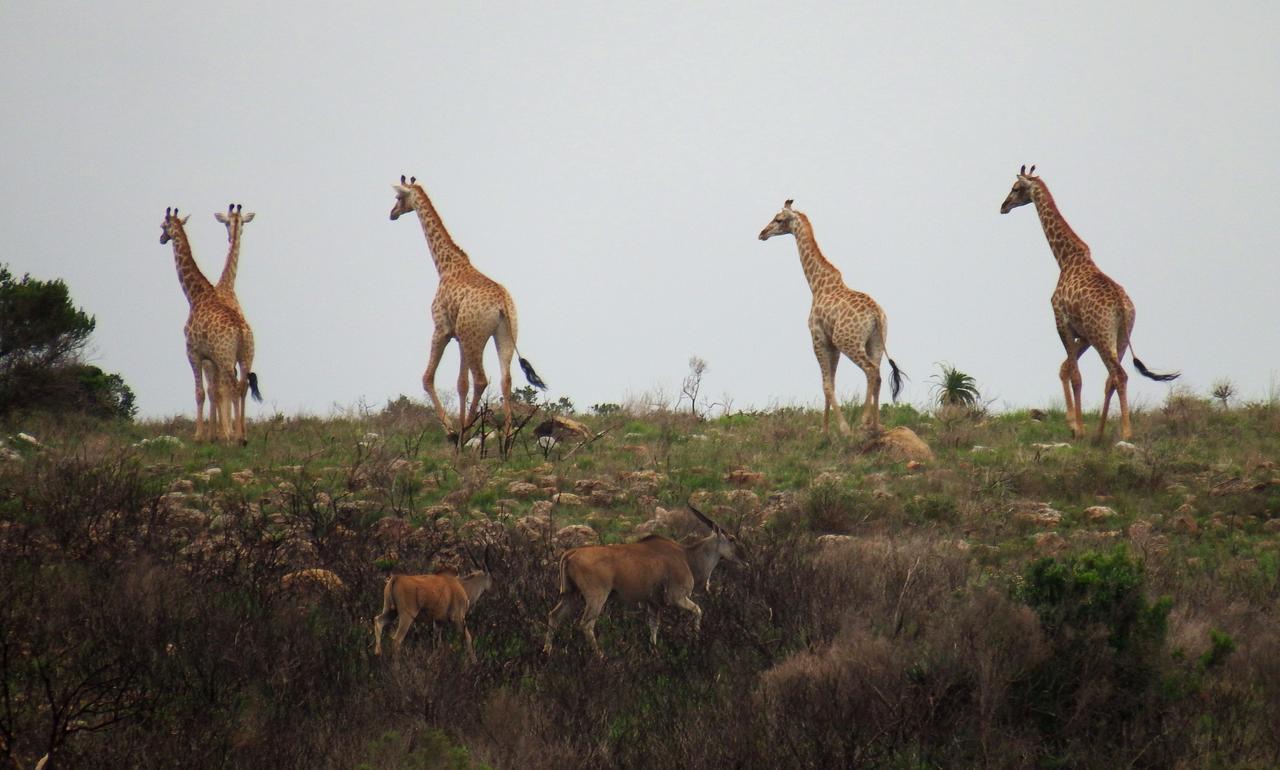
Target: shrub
1105 639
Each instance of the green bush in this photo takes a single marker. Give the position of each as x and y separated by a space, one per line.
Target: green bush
1106 639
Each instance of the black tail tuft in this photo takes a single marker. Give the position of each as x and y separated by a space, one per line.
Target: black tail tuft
531 375
253 387
1145 372
895 381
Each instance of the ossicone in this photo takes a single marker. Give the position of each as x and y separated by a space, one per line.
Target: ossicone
787 205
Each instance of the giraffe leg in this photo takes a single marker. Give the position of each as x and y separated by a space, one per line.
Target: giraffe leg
439 339
871 404
1117 381
479 382
464 384
506 349
197 369
1069 373
226 400
828 359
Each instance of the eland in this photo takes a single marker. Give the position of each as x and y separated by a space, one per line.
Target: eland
443 596
654 571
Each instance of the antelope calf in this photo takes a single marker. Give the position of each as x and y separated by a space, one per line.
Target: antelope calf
655 571
443 596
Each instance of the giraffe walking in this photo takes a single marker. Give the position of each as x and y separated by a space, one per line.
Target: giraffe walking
214 333
1089 308
841 320
235 221
469 307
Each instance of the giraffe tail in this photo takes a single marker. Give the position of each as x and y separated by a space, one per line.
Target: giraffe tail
1145 372
895 380
253 387
530 374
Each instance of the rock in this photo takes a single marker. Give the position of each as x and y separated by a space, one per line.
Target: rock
1055 445
1139 530
830 541
400 464
390 529
243 478
1126 446
533 528
645 482
902 443
562 428
1037 414
576 535
314 577
1096 513
186 486
979 448
29 440
542 508
914 465
743 500
522 489
567 499
1271 525
439 511
1049 543
208 474
1186 524
744 478
1038 514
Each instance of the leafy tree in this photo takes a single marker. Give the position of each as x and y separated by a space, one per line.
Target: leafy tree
42 340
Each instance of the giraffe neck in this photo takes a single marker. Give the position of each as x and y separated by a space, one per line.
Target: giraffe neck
194 284
447 254
228 279
817 270
1068 248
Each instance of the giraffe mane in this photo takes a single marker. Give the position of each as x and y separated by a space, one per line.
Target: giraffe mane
1053 205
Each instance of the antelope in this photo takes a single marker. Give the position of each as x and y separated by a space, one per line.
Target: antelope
443 595
655 571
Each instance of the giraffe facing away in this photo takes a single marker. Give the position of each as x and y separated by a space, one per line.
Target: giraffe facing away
841 320
226 288
215 334
1089 308
469 307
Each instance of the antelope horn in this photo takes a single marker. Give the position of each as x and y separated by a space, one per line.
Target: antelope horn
704 518
487 567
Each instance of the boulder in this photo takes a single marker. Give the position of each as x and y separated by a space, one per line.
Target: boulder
902 444
576 535
1096 513
744 478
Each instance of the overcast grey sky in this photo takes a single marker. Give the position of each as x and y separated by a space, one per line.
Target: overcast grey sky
612 164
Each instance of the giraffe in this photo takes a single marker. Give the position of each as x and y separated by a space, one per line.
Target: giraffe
469 307
226 289
214 333
841 320
1089 308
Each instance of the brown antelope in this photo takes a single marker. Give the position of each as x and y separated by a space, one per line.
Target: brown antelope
443 596
655 571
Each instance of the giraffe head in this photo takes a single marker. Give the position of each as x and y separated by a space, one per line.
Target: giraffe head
172 226
785 222
404 196
1020 195
233 219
